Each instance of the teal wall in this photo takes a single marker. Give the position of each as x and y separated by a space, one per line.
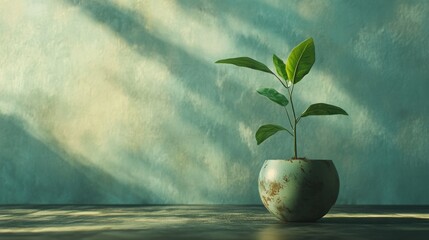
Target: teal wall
121 102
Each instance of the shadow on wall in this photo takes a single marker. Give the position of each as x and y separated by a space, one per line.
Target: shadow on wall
374 58
367 54
197 76
187 68
31 172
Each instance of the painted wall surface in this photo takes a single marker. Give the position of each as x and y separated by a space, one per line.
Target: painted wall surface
121 102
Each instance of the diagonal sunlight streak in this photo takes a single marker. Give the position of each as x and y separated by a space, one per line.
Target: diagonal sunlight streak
90 116
130 88
364 131
165 30
196 32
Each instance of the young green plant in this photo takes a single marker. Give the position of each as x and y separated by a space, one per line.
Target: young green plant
297 65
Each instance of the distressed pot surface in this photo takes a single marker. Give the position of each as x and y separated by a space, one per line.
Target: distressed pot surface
298 190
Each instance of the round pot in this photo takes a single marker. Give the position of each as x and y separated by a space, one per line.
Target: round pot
298 190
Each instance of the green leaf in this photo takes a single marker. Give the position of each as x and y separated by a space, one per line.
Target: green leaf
266 131
274 96
246 62
280 67
323 109
300 60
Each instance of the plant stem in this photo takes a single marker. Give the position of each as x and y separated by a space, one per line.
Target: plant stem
295 148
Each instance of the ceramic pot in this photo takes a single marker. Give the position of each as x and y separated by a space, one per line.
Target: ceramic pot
298 190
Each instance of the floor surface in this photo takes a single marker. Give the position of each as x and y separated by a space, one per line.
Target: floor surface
208 222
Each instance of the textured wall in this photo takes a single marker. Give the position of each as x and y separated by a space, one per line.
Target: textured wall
120 102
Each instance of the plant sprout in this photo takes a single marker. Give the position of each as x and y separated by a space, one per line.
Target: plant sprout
297 65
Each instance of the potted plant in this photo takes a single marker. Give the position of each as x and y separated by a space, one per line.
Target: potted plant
295 189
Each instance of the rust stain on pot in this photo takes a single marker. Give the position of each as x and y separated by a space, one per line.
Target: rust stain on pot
262 186
286 178
265 201
274 188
